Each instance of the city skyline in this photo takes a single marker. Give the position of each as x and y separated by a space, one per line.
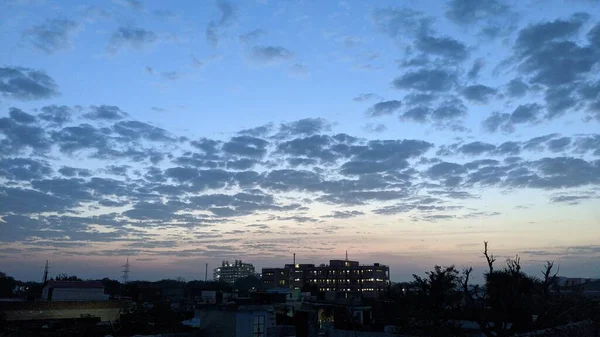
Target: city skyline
404 133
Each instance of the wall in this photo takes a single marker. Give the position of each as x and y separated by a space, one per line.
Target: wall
53 310
245 322
74 294
217 323
581 329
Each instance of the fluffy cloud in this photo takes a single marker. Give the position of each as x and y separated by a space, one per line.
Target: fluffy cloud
437 80
26 84
384 108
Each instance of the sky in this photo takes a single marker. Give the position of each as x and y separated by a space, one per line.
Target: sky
407 133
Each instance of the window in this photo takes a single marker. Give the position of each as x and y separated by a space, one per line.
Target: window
258 329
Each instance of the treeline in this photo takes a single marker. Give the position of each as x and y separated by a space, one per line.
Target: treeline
509 302
10 288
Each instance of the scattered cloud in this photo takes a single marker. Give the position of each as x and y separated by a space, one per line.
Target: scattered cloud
270 54
51 36
214 28
252 36
132 37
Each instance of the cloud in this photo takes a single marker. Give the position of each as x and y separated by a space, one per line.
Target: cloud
75 172
449 109
344 214
134 130
246 146
20 116
417 114
476 148
105 112
52 35
523 114
132 4
170 75
384 108
364 97
252 36
19 136
517 88
559 144
132 37
307 126
476 68
299 70
397 22
270 54
26 84
24 169
437 80
57 115
259 131
466 12
375 127
448 48
478 93
213 28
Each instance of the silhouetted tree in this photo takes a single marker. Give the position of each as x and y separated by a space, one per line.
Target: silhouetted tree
510 298
7 285
111 287
65 277
432 302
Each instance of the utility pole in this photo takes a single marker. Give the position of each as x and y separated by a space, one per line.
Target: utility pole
206 273
45 279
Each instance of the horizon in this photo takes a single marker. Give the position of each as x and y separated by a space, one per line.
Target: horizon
404 134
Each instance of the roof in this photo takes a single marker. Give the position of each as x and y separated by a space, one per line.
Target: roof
76 284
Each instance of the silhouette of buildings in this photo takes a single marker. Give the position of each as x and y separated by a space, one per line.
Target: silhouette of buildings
342 277
231 272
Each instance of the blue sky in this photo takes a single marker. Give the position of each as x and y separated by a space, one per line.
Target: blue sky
191 132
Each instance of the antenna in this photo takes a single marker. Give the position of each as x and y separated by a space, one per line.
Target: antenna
126 272
45 279
206 273
346 255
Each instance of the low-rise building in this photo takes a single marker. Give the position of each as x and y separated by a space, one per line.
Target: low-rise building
231 272
73 291
234 321
342 277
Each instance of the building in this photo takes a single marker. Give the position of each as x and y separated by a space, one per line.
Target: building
231 272
342 277
235 321
73 291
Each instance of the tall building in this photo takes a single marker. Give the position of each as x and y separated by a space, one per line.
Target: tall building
230 272
343 277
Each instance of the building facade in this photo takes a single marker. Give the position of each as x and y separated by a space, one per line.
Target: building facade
340 276
73 291
231 272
